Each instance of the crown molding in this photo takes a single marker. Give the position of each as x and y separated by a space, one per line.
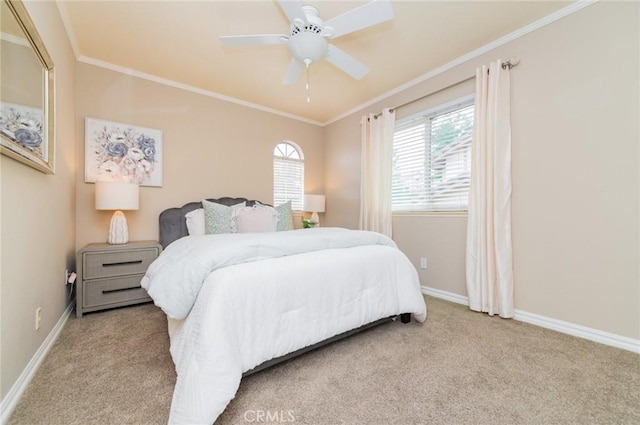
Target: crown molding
14 39
572 8
540 23
192 89
66 21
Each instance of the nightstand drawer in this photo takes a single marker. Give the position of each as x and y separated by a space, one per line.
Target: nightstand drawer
117 263
115 290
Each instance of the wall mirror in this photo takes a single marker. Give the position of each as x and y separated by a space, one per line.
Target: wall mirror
26 93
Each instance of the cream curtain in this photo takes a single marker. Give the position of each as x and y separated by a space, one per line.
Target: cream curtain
489 263
375 178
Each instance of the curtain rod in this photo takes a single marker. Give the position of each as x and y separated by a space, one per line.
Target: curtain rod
505 65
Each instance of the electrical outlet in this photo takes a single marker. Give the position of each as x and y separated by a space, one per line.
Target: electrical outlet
38 317
423 263
67 273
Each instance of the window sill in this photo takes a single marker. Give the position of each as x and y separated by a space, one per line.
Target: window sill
439 214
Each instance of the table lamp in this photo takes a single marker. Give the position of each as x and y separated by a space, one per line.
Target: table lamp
314 204
117 196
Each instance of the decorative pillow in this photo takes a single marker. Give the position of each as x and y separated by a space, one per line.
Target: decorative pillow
257 219
195 222
285 217
217 217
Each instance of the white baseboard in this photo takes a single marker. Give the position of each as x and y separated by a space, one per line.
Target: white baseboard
12 398
584 332
449 296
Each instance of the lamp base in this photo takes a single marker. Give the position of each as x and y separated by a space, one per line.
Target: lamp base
315 219
118 231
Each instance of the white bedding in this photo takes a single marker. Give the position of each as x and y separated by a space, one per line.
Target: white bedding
251 312
189 260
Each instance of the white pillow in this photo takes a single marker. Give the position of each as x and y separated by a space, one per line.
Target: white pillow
256 219
195 222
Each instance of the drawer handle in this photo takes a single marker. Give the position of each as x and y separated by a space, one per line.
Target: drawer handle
108 291
121 263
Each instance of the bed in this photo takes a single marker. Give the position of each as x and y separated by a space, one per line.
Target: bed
239 302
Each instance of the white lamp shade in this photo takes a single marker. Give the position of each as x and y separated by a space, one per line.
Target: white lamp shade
314 203
117 196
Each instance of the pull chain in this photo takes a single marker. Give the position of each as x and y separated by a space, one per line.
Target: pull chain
308 85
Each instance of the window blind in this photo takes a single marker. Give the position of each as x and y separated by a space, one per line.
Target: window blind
432 160
288 182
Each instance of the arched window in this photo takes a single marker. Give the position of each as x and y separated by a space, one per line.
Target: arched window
288 175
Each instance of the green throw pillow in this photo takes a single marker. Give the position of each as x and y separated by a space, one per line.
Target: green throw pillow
285 217
217 217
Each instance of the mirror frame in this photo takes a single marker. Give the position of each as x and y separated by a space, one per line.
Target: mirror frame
10 148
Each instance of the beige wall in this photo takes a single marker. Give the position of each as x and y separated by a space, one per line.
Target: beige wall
211 148
575 159
37 223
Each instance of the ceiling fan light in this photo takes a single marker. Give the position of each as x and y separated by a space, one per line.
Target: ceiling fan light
307 45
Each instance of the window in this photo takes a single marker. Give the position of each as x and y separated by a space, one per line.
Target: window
288 175
432 159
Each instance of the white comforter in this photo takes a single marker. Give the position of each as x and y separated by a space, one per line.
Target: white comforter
189 260
247 312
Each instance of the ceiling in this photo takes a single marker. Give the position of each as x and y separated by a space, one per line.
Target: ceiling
178 41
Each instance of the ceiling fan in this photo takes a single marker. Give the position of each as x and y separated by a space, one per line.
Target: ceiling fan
307 39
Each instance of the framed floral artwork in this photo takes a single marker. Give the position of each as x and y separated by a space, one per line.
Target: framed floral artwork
23 134
122 152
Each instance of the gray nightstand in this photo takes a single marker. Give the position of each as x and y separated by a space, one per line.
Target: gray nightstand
109 275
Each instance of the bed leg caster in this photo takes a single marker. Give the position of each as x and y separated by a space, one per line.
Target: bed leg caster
405 317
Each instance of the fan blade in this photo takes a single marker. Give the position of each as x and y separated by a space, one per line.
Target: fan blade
346 62
367 15
253 40
293 72
293 10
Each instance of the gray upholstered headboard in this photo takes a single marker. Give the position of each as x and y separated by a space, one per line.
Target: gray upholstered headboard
173 224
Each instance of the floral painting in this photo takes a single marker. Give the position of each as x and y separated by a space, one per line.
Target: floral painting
22 127
122 152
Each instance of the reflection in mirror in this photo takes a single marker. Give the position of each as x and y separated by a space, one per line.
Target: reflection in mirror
26 92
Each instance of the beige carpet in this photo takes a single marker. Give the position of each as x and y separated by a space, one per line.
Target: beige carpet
458 367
